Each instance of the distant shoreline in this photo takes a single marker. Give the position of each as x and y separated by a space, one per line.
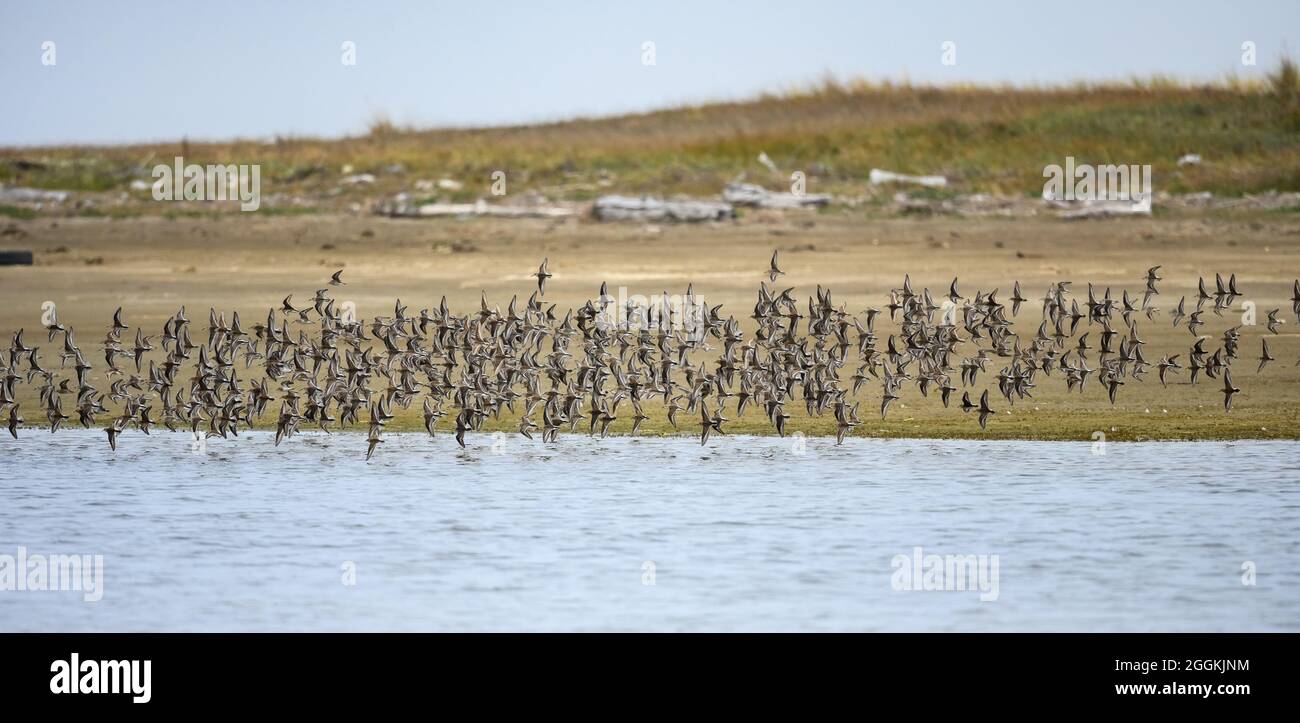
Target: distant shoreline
986 139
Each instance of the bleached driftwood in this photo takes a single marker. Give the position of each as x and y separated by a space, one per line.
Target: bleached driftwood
645 208
18 194
748 194
878 177
1104 209
465 210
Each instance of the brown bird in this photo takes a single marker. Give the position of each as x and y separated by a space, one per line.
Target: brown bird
15 421
774 271
1228 390
112 430
1265 357
542 275
984 409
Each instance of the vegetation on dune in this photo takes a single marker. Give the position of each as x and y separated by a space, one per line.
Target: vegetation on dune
992 140
19 212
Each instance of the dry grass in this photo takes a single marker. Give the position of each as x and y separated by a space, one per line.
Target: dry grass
988 139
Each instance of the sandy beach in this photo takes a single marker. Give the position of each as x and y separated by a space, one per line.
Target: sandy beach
248 262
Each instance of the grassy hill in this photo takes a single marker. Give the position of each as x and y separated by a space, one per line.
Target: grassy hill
992 140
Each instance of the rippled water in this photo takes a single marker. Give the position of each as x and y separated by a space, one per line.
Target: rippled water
744 534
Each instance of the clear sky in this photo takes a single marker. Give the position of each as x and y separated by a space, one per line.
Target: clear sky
139 71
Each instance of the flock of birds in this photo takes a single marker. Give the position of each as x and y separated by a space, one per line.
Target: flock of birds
322 368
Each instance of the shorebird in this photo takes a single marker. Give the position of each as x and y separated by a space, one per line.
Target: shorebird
1273 321
1151 291
15 421
1178 313
773 270
431 415
1264 357
542 275
112 430
1166 365
1228 390
984 410
966 404
1016 299
706 424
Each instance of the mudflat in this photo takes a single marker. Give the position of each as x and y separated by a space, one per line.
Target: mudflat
151 266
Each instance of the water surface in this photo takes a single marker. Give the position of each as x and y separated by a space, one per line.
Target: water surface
745 534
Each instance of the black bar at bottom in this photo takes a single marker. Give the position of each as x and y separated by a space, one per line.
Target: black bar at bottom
208 672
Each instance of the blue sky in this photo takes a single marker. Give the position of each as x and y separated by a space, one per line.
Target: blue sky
137 71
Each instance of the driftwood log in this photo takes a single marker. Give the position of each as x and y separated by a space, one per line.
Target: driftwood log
463 210
748 194
628 208
879 177
18 194
1103 209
